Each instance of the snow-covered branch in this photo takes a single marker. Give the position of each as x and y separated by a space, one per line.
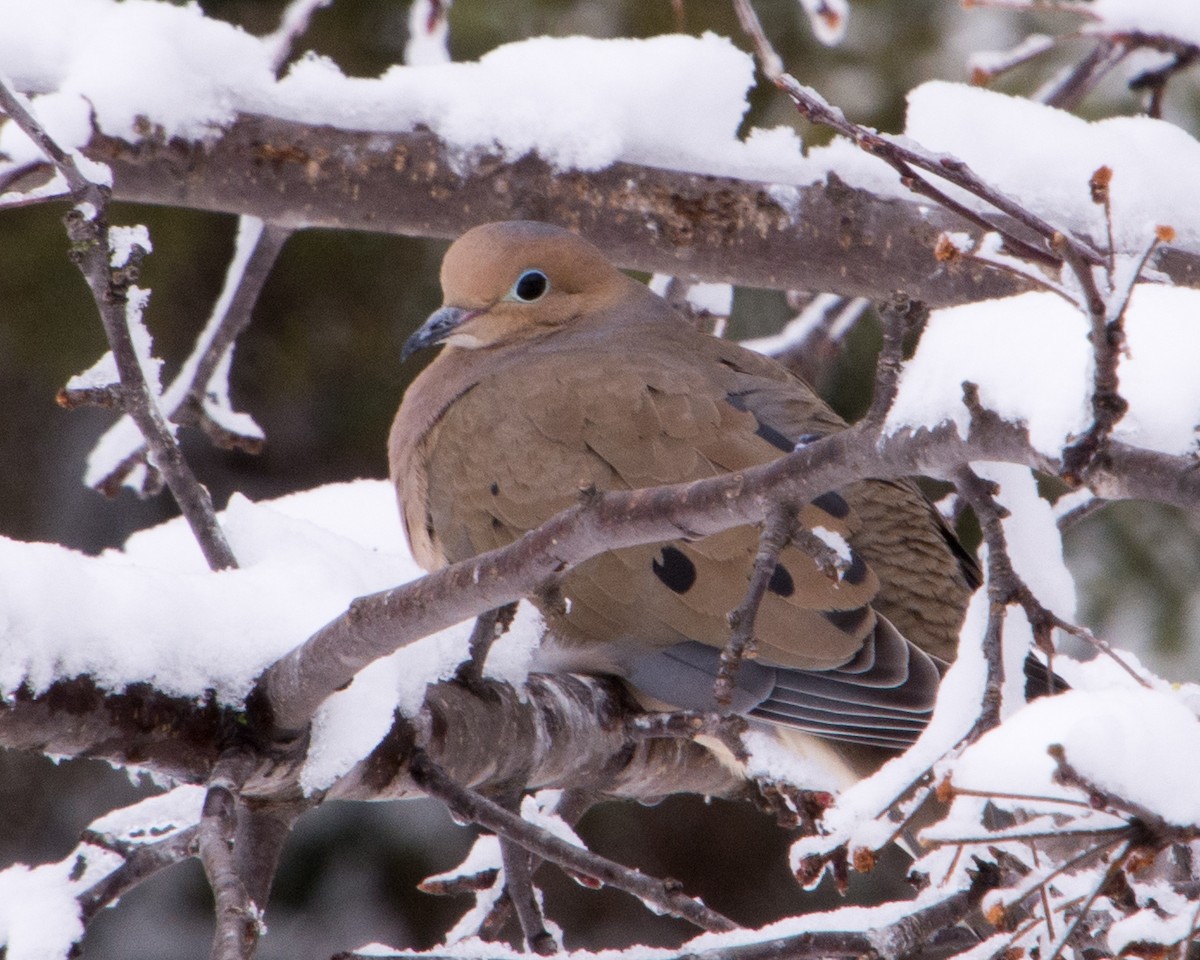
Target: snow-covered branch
1061 341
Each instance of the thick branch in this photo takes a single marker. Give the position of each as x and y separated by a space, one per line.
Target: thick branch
563 731
560 732
819 237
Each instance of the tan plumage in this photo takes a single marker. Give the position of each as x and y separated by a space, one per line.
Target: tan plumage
594 380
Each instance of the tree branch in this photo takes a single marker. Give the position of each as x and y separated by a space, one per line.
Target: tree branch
889 941
716 229
110 283
239 918
464 803
377 625
141 863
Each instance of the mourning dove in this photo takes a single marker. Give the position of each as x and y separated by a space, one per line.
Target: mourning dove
559 373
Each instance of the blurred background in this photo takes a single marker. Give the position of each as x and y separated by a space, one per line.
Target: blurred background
318 370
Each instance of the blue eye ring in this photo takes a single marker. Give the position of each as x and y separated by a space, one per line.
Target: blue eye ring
531 285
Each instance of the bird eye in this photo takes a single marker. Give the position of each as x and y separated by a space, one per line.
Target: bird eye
531 285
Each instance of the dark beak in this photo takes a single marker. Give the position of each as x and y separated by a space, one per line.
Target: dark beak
438 327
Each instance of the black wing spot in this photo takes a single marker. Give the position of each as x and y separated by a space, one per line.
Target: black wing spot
765 430
496 523
774 437
676 571
781 582
848 621
856 573
495 488
834 504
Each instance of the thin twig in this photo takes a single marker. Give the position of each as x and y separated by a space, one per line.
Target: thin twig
812 339
571 807
904 157
518 883
1022 797
1018 837
292 24
980 495
258 246
489 627
1113 868
243 284
14 105
769 61
1067 92
776 534
87 228
468 805
1108 342
1042 620
901 937
899 314
142 861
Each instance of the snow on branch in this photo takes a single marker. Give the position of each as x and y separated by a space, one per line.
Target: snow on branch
1164 33
394 694
436 149
110 260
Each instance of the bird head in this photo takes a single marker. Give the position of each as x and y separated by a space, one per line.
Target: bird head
516 280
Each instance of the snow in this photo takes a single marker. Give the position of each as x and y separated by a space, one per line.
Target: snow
103 372
1028 354
122 240
65 117
123 438
1172 18
789 756
1034 542
1149 730
303 558
674 101
1176 923
812 316
39 910
1044 158
39 916
669 101
348 725
483 856
539 809
427 46
154 818
1031 359
837 543
858 819
713 298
